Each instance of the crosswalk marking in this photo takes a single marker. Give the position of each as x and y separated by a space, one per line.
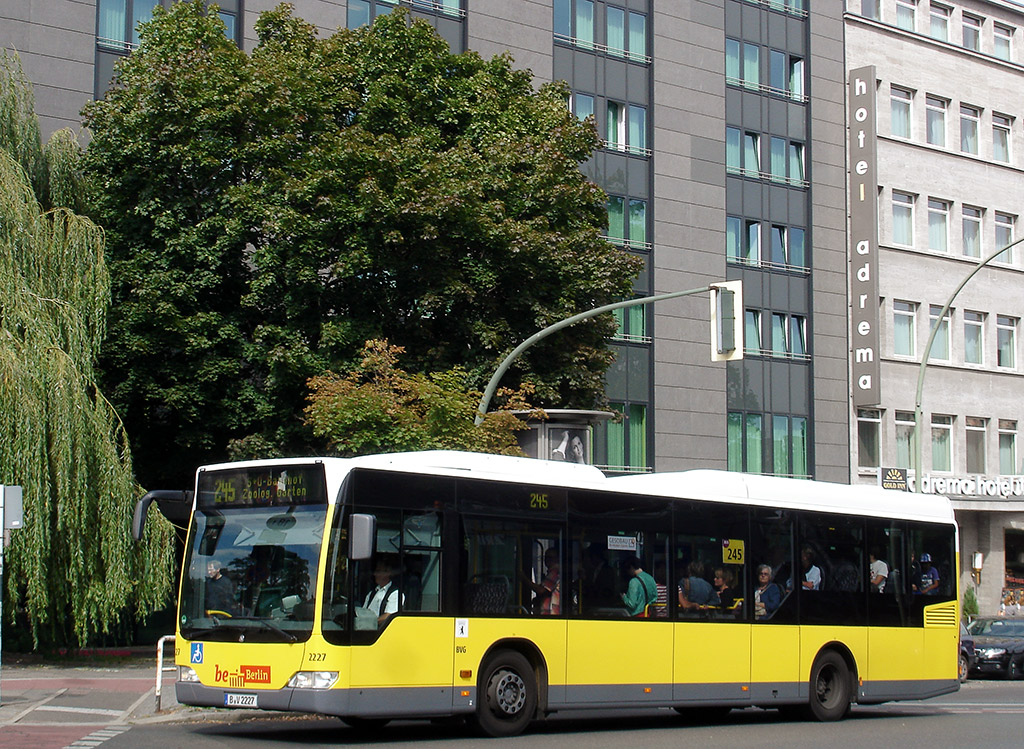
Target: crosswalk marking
97 737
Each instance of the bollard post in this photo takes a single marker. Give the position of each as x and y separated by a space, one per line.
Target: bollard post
160 667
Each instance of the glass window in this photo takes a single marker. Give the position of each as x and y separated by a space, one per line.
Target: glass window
940 346
752 331
780 445
1004 235
1001 138
905 13
1006 341
585 23
616 219
936 120
735 441
638 436
904 316
797 253
798 446
942 443
637 135
733 154
732 62
778 155
972 32
751 65
562 18
780 342
637 222
358 14
797 335
970 118
1002 38
870 9
755 449
869 425
751 154
778 244
616 21
113 23
796 162
498 555
615 126
905 445
583 105
939 28
733 238
938 225
975 445
142 12
777 71
902 218
899 106
637 35
627 439
971 231
753 242
796 77
1007 447
974 337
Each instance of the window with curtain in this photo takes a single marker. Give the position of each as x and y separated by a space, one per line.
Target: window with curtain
615 121
1006 341
780 342
974 337
778 249
899 108
142 12
733 238
1002 41
734 439
977 433
583 105
905 444
796 77
780 445
1001 138
751 65
584 32
753 243
638 221
904 321
940 346
902 218
938 225
939 27
870 9
616 23
971 231
906 11
869 425
637 436
798 335
111 30
752 331
754 461
733 71
778 159
1007 447
777 71
562 19
637 135
616 219
796 162
972 32
797 251
1004 235
942 443
733 150
970 122
936 120
637 34
798 446
751 154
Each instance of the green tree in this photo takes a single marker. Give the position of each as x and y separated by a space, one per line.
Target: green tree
269 214
72 570
379 407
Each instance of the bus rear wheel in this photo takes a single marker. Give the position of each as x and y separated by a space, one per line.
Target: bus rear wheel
830 687
509 695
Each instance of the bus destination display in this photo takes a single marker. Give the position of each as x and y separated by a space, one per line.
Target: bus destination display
262 487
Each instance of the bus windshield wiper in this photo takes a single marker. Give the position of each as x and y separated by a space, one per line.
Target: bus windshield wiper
266 622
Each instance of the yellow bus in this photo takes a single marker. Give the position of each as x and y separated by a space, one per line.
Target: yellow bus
422 585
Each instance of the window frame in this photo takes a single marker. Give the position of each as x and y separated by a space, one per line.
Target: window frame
904 310
935 116
972 216
1006 333
974 321
975 439
970 122
902 98
943 335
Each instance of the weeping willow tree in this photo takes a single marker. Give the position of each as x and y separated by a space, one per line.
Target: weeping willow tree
72 572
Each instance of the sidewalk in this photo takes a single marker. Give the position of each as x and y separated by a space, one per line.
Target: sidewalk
47 704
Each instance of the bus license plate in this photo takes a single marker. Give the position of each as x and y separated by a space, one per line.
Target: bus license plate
239 700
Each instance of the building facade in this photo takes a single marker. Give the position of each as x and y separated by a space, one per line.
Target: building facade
723 131
950 162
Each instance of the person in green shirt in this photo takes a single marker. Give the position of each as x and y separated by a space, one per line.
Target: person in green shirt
641 591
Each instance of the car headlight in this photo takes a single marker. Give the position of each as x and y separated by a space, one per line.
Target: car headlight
313 680
187 673
990 652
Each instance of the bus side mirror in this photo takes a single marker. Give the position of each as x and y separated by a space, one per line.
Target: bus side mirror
362 533
174 504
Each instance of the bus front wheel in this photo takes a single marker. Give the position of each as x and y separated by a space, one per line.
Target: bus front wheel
830 687
509 695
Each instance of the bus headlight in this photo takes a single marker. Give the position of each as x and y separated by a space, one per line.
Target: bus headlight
187 673
313 680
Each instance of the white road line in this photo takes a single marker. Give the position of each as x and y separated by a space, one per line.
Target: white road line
79 710
97 737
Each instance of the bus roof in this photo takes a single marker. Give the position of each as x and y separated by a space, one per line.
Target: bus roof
703 484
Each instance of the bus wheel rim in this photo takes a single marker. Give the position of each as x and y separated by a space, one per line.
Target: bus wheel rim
509 692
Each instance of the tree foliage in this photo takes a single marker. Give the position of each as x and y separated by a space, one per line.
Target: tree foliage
379 407
268 214
72 570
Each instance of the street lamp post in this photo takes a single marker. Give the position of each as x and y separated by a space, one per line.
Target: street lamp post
492 385
927 353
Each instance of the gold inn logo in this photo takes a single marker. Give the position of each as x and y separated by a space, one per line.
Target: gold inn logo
244 675
895 478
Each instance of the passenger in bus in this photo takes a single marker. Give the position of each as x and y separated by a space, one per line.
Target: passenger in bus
928 582
724 580
878 570
694 590
641 591
385 599
767 595
220 591
812 573
661 604
599 582
547 592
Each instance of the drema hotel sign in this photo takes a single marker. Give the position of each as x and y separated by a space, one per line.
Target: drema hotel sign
974 486
863 194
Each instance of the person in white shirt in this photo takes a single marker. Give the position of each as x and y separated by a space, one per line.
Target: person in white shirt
812 573
879 571
385 599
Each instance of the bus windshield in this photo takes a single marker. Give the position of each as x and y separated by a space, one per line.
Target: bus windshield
251 563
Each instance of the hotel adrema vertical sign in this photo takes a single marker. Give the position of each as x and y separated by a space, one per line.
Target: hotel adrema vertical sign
863 192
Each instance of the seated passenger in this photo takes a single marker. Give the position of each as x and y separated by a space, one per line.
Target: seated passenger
928 582
812 573
694 590
878 571
642 590
548 592
724 580
767 595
